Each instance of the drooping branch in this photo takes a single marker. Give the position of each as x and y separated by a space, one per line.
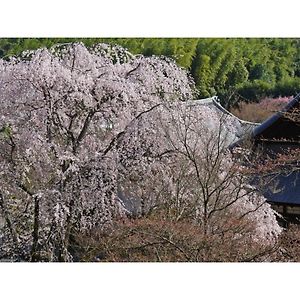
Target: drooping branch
119 136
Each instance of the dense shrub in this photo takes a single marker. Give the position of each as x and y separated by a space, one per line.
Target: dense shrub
156 238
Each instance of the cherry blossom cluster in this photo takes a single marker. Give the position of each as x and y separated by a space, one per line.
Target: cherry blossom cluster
88 136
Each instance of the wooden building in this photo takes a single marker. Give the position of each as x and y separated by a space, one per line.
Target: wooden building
277 135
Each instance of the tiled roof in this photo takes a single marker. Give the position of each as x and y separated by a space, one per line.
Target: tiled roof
279 126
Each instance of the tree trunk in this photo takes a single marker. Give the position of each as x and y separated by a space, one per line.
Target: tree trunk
34 249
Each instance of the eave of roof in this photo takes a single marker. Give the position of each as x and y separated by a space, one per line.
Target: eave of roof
244 129
278 126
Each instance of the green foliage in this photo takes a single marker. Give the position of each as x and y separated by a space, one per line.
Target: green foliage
6 131
256 90
289 86
249 67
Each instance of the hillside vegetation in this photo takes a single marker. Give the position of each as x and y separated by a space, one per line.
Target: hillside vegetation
235 69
